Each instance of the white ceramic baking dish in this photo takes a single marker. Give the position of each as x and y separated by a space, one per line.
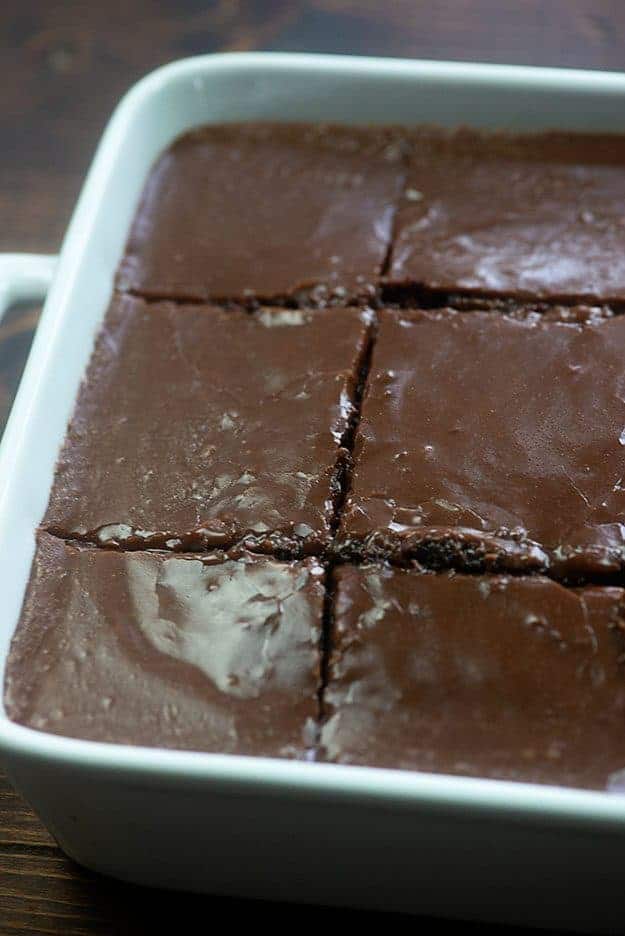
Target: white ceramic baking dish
267 828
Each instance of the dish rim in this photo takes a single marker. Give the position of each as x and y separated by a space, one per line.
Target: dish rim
405 789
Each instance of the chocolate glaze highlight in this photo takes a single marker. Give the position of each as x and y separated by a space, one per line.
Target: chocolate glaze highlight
513 678
267 212
199 652
534 216
492 441
197 427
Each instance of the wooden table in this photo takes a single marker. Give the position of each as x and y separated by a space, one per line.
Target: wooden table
64 66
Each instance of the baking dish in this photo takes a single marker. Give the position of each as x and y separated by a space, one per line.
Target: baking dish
323 833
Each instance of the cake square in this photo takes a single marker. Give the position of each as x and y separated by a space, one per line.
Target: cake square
207 653
198 427
508 677
530 216
267 213
493 441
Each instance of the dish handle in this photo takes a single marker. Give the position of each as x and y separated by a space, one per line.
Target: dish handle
24 277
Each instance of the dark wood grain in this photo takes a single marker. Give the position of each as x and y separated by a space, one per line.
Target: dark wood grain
65 64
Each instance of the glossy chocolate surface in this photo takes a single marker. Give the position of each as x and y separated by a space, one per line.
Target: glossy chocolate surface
147 648
491 440
487 438
266 212
199 427
509 677
531 216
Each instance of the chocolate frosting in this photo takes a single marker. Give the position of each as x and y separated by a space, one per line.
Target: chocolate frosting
490 438
509 677
205 653
535 215
266 212
198 427
493 440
